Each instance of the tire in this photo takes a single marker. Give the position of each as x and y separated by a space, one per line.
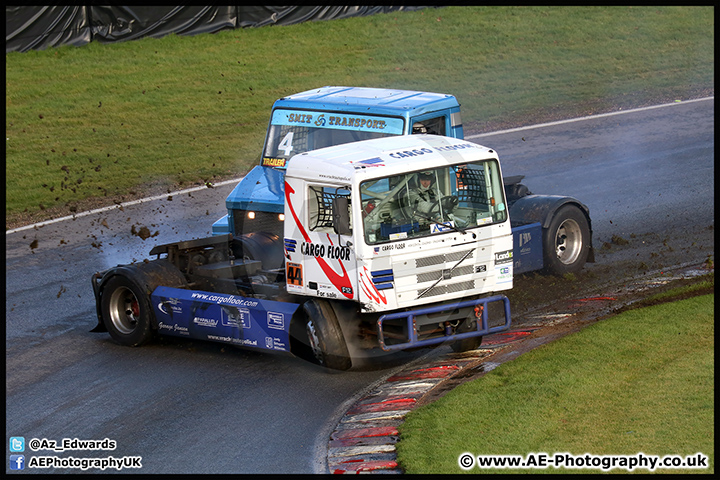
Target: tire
466 344
324 336
566 241
126 312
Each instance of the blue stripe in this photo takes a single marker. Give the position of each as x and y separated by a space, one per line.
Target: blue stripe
383 279
381 273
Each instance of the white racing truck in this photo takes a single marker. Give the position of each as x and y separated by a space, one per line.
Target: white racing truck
396 242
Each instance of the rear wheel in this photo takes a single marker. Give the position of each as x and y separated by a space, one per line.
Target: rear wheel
566 242
325 338
126 312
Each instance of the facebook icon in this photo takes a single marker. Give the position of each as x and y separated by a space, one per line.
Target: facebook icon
17 462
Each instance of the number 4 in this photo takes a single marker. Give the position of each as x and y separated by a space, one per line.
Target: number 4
286 144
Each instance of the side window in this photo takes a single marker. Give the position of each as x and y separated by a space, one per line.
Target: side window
430 126
320 207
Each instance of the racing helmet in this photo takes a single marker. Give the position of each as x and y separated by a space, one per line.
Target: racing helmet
426 176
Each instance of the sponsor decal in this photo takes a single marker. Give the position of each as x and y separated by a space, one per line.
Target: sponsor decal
357 122
411 153
504 273
370 162
461 146
524 238
503 257
294 274
300 118
275 343
237 341
240 317
441 227
170 306
422 151
173 328
205 322
337 121
276 320
327 251
273 162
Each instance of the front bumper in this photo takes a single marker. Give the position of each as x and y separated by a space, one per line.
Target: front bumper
478 308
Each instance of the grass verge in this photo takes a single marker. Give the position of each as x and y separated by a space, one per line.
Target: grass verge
115 121
641 381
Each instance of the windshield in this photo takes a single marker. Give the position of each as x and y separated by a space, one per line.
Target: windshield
297 131
418 204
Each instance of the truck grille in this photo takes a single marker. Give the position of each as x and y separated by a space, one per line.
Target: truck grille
439 259
443 289
434 275
263 222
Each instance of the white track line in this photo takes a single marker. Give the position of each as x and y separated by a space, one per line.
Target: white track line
113 207
219 184
589 117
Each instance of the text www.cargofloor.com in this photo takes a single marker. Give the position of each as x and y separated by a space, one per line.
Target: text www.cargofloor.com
639 461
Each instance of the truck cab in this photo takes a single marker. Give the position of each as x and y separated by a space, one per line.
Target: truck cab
414 252
363 224
326 117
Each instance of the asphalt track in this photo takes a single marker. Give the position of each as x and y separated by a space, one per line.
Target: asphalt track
191 407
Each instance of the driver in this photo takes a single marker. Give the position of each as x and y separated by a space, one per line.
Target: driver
425 196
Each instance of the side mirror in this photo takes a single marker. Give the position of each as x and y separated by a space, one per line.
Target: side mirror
341 215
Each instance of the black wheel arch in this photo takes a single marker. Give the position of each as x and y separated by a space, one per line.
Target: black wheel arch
542 208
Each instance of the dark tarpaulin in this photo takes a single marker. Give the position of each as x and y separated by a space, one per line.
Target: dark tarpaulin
36 27
260 16
112 24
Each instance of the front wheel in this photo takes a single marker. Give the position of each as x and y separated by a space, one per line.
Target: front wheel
325 338
566 242
126 312
466 344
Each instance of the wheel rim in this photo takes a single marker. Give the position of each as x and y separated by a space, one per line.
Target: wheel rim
124 310
314 342
568 242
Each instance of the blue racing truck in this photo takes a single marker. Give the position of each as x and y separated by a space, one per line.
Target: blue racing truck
369 222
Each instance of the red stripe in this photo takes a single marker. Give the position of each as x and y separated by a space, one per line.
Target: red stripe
400 404
433 372
366 466
364 432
